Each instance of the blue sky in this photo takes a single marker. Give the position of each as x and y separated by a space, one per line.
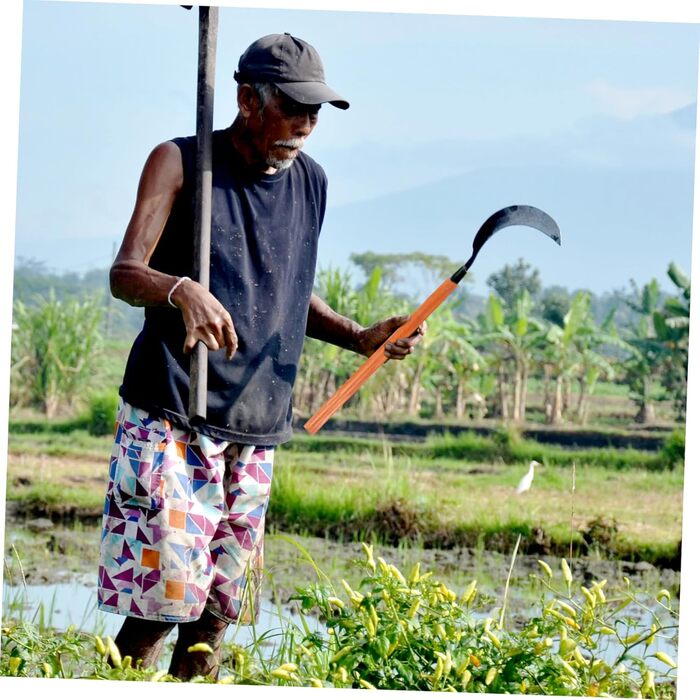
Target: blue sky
451 118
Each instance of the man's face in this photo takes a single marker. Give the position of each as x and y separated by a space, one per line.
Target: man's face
279 130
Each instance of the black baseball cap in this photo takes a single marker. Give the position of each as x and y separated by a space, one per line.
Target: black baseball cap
290 64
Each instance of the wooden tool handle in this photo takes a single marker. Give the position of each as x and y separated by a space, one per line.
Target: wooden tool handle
208 27
377 359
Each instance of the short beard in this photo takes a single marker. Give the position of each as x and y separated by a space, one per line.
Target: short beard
284 163
279 164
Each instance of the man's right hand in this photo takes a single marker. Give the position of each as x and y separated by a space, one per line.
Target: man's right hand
205 319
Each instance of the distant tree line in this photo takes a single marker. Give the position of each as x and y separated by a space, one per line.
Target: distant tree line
480 354
478 359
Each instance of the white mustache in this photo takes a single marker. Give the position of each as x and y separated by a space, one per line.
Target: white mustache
291 143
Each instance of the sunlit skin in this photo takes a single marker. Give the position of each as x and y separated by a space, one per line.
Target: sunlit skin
256 134
260 137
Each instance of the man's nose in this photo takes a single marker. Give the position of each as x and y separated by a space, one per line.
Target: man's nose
304 125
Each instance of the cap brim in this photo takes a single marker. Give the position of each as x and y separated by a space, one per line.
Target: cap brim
313 94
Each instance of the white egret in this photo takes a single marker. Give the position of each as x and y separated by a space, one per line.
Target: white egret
526 481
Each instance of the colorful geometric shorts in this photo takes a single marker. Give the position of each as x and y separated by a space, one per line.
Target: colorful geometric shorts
183 524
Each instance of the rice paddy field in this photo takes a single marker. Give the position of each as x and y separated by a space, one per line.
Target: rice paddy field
444 503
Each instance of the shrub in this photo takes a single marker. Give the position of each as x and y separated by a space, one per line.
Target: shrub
101 413
54 349
672 453
410 632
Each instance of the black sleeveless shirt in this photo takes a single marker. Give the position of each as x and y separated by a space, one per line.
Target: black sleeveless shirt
264 237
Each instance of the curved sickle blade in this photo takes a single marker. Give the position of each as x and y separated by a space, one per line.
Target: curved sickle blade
515 215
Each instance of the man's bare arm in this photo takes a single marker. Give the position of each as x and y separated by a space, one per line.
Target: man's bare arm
133 281
325 324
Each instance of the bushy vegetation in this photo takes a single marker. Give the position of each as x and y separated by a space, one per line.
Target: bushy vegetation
408 631
101 412
54 348
502 445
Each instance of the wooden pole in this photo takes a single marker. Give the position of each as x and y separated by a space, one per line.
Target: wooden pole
208 26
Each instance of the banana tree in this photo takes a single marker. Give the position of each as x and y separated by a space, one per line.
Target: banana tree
592 364
515 338
561 353
644 366
451 362
675 334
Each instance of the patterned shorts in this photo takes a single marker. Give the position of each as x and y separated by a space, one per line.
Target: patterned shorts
183 523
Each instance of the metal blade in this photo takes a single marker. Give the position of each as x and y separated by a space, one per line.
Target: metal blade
515 215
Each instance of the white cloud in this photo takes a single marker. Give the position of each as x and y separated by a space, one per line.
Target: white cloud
628 103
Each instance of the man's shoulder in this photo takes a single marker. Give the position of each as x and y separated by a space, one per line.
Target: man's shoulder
312 167
184 141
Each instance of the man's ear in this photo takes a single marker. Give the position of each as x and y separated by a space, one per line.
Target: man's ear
248 102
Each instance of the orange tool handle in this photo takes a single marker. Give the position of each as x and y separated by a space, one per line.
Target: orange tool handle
377 359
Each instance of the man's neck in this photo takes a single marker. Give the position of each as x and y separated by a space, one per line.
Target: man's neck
241 142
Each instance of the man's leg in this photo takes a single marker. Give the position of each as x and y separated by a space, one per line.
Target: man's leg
142 639
210 630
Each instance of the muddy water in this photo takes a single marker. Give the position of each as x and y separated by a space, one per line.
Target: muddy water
63 604
50 577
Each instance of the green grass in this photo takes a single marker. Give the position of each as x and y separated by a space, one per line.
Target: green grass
447 503
468 446
446 492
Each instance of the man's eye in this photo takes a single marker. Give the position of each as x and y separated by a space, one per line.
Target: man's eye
297 109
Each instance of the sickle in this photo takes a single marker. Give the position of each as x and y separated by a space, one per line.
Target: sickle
516 215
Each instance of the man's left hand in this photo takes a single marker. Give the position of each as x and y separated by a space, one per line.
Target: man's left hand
373 336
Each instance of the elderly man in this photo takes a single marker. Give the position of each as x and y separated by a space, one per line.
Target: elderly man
184 516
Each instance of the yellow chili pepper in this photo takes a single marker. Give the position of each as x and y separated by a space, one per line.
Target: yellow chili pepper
494 639
567 608
546 568
341 653
469 593
113 652
100 645
632 638
661 656
281 673
368 553
566 571
648 685
663 593
374 616
589 596
414 608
